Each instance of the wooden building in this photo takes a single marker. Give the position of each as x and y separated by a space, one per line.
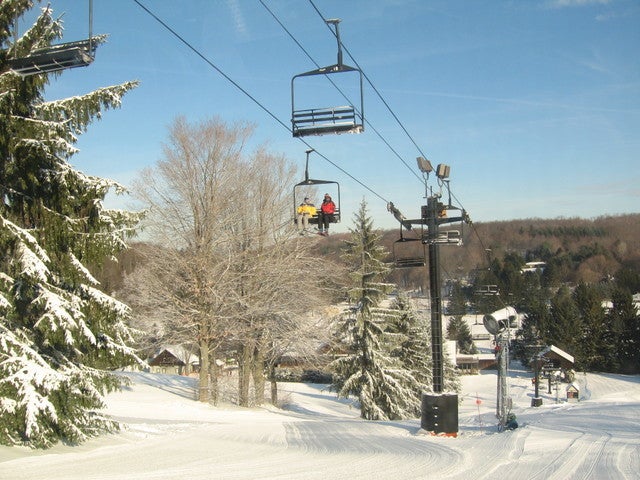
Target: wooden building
167 362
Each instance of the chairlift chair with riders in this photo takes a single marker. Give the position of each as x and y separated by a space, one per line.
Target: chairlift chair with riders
302 189
58 57
332 119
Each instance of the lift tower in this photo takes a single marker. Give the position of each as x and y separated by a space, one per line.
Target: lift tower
439 409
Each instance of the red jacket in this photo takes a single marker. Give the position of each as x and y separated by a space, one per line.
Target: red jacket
328 207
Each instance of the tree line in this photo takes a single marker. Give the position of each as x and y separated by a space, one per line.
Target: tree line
597 323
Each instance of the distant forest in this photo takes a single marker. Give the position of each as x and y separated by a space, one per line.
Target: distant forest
576 250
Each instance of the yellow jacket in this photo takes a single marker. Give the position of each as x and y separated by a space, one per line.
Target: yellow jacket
307 209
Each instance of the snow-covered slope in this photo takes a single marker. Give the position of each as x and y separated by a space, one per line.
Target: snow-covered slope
317 436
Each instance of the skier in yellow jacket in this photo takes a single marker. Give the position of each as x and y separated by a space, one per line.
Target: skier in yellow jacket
306 210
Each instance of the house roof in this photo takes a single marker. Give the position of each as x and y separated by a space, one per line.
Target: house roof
165 357
179 352
554 352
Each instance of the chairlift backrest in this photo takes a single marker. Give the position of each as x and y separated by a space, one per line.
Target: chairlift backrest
449 237
487 290
57 57
409 252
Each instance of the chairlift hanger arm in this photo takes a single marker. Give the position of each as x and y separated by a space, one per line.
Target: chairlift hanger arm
328 70
312 181
399 216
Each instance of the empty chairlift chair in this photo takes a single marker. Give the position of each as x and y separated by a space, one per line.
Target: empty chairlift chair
332 119
57 57
409 252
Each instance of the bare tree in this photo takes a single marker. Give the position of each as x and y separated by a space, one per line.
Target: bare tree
224 269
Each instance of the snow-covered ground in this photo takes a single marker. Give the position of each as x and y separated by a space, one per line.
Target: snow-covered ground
317 436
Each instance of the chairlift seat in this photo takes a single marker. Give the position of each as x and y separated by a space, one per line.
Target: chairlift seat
321 121
449 237
55 58
327 120
313 219
404 256
410 262
298 192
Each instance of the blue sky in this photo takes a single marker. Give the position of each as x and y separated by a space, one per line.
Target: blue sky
534 104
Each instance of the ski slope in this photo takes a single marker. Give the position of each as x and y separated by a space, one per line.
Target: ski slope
317 436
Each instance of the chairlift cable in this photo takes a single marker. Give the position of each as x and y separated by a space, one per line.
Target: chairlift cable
385 104
388 108
210 63
375 90
235 84
295 40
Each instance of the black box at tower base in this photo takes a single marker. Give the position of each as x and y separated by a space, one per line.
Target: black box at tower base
440 413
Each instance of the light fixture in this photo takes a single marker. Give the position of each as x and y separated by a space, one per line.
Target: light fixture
424 165
442 171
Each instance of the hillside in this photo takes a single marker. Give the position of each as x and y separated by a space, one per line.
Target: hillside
594 249
597 249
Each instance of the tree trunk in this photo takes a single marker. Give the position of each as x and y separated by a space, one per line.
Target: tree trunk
274 385
203 392
244 377
258 374
214 374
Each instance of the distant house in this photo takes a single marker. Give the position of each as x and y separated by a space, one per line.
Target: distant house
468 364
167 362
533 267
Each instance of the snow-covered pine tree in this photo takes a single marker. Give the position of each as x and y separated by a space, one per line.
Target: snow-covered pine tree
370 371
58 330
458 330
414 351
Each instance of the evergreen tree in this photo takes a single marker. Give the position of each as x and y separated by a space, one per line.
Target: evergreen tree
458 330
625 323
414 351
565 328
370 371
58 330
629 279
531 336
592 348
457 300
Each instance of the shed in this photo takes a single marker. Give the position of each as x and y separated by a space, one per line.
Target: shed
573 393
167 362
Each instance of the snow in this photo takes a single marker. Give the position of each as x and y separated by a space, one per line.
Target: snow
317 436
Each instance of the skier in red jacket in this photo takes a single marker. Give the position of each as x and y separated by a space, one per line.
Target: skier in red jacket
326 214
